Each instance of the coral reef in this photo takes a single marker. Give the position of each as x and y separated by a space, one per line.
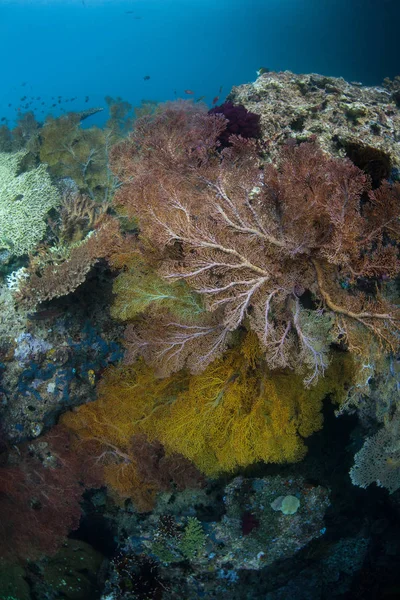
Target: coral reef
333 576
45 376
70 573
249 257
275 535
210 557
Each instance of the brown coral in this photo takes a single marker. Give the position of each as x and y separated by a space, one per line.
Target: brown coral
283 248
61 277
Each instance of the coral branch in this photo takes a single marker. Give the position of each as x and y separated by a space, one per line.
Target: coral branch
253 239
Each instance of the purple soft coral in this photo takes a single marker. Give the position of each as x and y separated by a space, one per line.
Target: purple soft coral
240 122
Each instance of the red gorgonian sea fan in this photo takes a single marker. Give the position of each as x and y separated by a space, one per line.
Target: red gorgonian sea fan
40 489
281 249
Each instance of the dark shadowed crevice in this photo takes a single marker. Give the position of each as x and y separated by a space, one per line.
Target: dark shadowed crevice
372 161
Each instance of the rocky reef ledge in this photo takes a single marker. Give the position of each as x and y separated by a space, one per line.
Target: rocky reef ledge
346 118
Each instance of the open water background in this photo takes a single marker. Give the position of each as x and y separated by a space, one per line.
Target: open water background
79 48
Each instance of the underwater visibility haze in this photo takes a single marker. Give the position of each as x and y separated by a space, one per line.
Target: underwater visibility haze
199 300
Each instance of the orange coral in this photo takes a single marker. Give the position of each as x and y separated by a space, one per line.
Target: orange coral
106 427
234 413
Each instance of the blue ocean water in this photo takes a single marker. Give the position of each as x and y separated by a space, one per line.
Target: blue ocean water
61 49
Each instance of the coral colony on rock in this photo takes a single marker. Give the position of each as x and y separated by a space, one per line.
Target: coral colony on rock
200 333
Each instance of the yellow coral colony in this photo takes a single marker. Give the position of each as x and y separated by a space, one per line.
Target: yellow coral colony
233 414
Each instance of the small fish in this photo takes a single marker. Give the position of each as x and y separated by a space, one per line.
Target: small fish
23 84
3 119
189 92
146 77
215 100
200 99
9 105
87 99
53 105
45 314
220 88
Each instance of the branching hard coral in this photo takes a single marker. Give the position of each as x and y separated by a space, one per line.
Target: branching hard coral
25 200
233 414
285 247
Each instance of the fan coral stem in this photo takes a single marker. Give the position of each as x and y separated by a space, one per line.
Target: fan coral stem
343 311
